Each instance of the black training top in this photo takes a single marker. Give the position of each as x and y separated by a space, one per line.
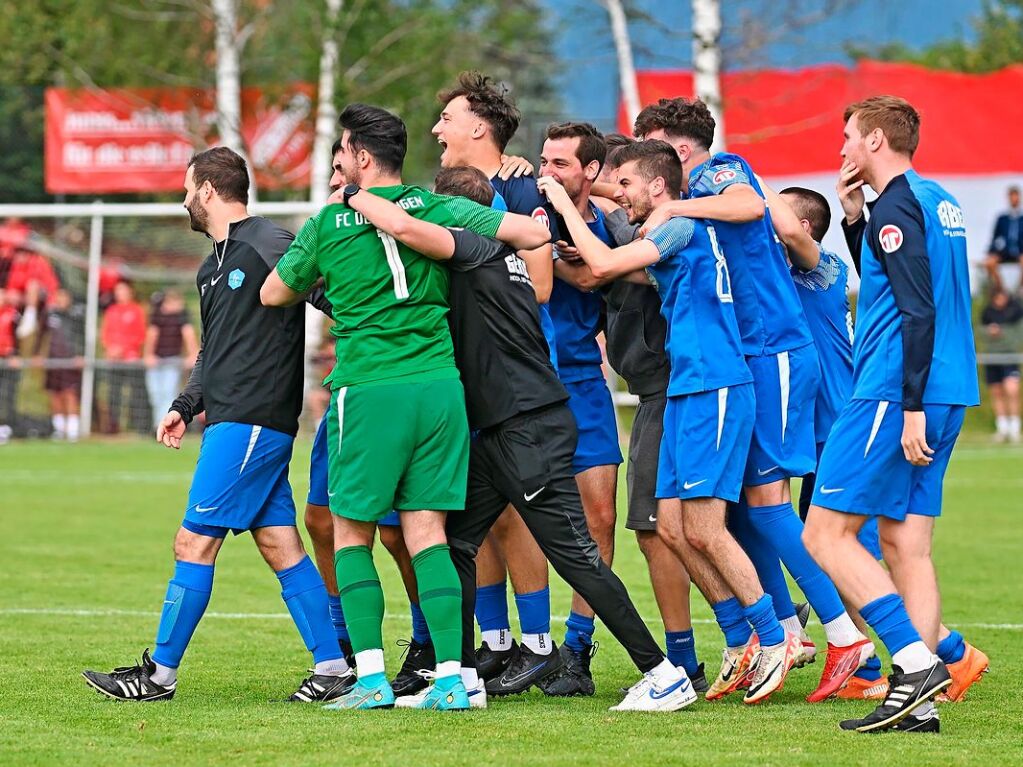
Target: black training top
495 325
250 366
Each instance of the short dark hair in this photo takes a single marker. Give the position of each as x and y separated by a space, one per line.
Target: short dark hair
336 147
614 143
1013 189
226 171
465 181
591 141
379 132
486 102
813 207
653 159
679 117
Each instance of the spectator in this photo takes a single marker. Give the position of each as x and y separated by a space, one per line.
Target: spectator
28 266
10 362
1007 240
62 333
14 233
123 336
1003 321
171 345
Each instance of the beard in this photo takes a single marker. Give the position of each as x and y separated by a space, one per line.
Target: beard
640 209
198 216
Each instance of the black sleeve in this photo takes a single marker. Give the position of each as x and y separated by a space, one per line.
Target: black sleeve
986 315
909 273
854 238
318 298
473 250
618 226
189 403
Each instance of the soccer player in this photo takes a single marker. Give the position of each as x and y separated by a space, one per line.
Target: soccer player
781 356
475 125
397 432
709 413
248 380
913 353
525 435
419 649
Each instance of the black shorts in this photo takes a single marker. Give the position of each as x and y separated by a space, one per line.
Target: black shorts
1005 257
994 374
62 379
641 472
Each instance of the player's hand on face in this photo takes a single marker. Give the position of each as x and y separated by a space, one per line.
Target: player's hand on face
914 438
171 430
850 191
514 165
657 217
568 253
556 194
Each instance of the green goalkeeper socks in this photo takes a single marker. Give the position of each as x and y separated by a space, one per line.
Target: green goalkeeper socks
362 598
440 597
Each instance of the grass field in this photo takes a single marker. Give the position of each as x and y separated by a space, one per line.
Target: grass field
85 547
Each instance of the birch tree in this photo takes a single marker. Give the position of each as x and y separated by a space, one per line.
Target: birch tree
230 41
623 50
707 62
326 112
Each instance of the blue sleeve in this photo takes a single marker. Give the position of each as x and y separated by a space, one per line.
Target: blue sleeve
717 177
829 271
902 246
672 236
522 197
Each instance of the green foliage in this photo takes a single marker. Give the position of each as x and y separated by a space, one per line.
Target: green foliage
999 43
395 53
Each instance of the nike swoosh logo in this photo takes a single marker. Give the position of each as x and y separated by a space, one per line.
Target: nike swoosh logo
767 678
830 490
652 518
691 485
765 472
199 509
214 280
681 684
531 496
726 676
524 674
330 494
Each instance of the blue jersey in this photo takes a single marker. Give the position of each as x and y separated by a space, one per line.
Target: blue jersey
520 195
766 306
696 300
914 336
823 292
578 318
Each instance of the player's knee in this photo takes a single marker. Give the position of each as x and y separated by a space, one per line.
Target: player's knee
191 547
392 539
319 525
649 541
699 537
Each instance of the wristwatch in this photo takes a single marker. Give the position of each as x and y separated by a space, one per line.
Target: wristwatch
349 191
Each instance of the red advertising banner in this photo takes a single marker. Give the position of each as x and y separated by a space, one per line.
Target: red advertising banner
789 122
139 140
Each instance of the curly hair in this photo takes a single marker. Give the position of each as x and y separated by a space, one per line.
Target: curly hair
487 102
678 117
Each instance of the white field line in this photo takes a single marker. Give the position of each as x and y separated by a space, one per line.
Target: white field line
106 613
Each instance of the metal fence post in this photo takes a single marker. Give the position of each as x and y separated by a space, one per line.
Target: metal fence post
92 316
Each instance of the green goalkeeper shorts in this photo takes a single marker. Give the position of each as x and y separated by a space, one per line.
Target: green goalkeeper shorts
402 446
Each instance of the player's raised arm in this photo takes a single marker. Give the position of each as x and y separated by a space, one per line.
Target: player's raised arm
297 272
431 240
802 250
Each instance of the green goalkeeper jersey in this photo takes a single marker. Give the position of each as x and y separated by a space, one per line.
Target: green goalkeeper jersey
390 303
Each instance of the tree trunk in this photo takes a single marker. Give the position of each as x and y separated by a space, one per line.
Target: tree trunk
229 87
707 62
623 49
326 113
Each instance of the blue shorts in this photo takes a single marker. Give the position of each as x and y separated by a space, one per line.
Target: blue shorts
318 492
864 471
703 448
783 444
240 481
594 411
868 535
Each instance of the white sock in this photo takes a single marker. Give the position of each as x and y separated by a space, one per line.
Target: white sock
72 427
369 662
448 668
913 657
1014 425
924 709
164 676
664 674
59 424
470 678
842 632
1002 424
498 639
539 643
792 625
335 667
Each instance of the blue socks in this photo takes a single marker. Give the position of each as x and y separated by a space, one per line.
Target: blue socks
306 598
765 560
681 646
579 631
420 631
871 670
337 617
952 648
492 607
761 616
781 526
534 611
888 617
188 593
732 620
